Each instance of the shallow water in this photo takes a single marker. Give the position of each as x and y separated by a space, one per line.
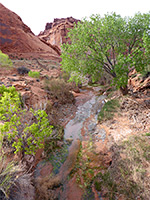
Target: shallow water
86 114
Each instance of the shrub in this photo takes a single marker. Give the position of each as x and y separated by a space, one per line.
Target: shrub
34 74
59 91
24 130
4 60
22 70
65 76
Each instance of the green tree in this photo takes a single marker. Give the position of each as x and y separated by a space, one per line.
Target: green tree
4 60
111 43
24 129
146 42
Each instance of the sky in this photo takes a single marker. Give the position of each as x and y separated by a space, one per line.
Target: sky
36 13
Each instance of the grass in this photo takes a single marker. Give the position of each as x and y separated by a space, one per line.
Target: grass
9 173
108 110
105 182
82 170
129 173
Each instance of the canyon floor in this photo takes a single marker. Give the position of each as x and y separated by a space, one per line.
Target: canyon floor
108 159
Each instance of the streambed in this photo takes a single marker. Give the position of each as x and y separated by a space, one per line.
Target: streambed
79 129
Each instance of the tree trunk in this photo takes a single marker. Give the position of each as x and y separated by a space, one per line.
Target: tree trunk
124 90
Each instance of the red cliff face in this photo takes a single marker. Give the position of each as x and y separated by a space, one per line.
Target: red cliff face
16 38
56 33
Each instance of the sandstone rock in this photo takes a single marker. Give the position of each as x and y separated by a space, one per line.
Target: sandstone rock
17 39
55 33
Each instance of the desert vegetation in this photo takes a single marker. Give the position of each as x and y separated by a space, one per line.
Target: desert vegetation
4 60
24 130
34 74
128 175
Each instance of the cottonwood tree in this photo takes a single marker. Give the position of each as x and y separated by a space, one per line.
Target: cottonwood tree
111 43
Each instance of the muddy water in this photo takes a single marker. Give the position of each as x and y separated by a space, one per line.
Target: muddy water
77 130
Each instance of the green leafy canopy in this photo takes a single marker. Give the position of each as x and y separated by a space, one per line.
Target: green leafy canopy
111 43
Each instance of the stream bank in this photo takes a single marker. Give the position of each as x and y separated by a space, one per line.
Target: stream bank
79 158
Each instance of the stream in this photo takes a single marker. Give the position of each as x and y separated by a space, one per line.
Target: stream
79 129
85 120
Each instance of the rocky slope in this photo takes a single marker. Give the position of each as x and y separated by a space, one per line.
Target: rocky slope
17 39
55 33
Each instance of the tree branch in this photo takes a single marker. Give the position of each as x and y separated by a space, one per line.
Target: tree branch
108 70
109 60
131 46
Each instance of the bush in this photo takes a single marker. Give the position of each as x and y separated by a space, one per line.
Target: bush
4 60
22 70
24 130
59 91
34 74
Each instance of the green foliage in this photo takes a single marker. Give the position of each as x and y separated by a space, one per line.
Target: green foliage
4 60
9 101
108 110
147 134
110 43
34 74
25 130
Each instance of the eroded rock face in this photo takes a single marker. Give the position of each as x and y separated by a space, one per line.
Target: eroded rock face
17 39
56 33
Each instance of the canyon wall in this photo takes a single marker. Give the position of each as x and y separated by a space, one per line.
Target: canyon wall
56 33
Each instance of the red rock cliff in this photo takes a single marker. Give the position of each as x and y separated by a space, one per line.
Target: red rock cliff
56 33
16 38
